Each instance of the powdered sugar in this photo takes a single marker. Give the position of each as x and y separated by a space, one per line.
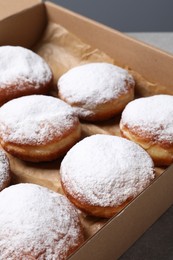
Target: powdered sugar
151 116
35 119
36 222
93 84
106 170
4 169
18 65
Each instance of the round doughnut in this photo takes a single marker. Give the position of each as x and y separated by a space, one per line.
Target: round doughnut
149 122
102 173
97 91
23 72
37 223
5 175
38 128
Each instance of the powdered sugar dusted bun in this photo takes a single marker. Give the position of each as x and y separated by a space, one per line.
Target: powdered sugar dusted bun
23 72
149 122
37 127
102 173
37 223
5 175
98 91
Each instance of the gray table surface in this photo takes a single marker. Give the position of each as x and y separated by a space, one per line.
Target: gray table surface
157 241
162 40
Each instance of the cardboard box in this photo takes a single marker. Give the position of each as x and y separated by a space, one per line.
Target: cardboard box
23 24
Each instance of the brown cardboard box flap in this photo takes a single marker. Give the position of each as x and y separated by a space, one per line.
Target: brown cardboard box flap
22 23
8 7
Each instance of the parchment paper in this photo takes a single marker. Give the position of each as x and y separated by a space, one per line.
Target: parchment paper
63 50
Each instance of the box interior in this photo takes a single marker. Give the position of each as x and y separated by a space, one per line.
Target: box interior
7 8
25 29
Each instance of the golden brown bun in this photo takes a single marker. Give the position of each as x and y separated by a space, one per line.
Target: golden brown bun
99 176
37 224
106 110
97 91
48 152
23 72
149 122
97 211
38 128
161 153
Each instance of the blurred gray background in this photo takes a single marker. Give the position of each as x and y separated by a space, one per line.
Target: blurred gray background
126 15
